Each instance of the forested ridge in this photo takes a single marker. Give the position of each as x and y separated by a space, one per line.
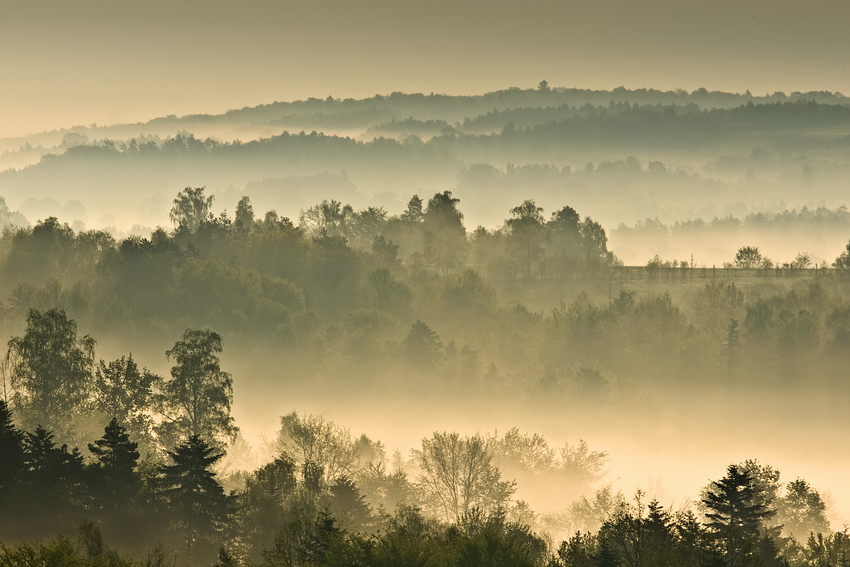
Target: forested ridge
106 462
619 156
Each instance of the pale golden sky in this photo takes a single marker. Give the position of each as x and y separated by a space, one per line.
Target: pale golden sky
64 63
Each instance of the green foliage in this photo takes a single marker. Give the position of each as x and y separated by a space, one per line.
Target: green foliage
55 490
802 511
422 345
198 397
13 468
735 515
117 460
748 257
191 207
199 507
126 394
51 370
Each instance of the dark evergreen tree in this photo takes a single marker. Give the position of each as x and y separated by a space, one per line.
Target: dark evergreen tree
422 345
606 557
56 490
324 541
12 455
578 551
118 480
695 544
199 507
659 537
12 471
349 505
735 517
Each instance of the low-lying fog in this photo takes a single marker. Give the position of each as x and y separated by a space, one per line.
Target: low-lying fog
690 370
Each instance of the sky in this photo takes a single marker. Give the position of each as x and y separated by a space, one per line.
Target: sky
70 62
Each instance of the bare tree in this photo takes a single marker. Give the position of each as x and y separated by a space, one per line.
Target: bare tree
457 475
315 442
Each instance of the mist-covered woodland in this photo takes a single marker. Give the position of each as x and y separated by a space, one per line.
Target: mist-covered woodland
544 327
620 156
364 306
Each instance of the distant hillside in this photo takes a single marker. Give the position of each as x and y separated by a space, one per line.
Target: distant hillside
622 155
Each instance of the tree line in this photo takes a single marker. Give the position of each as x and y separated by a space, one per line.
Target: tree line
612 124
419 293
326 498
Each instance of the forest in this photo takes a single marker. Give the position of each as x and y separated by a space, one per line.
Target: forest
129 358
620 156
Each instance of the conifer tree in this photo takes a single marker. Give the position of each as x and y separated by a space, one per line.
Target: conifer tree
12 457
56 491
117 459
198 502
735 516
12 469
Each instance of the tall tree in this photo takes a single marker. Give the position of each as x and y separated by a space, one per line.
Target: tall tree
528 232
595 244
320 447
422 345
565 240
413 214
444 233
244 221
190 208
199 505
56 491
457 475
735 515
50 370
117 460
12 466
198 397
126 394
802 510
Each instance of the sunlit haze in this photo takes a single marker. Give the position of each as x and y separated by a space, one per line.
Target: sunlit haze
70 63
325 254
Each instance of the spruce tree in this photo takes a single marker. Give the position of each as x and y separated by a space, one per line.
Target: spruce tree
12 470
56 492
735 516
12 458
198 502
117 460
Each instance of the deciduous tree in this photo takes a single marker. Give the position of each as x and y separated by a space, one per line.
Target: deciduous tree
51 370
198 397
457 475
